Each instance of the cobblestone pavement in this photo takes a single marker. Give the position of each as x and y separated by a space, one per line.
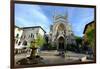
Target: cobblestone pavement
50 57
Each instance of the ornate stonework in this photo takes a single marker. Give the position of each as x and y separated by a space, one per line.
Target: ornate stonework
61 33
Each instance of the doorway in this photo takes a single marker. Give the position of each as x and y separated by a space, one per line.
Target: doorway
61 43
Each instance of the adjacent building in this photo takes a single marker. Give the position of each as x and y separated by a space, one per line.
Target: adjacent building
17 35
89 35
28 34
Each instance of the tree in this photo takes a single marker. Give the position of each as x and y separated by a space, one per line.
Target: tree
36 44
79 43
78 40
91 38
40 41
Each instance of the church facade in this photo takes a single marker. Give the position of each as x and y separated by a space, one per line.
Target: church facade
61 33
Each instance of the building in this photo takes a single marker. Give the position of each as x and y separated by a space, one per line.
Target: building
88 27
61 33
17 35
28 34
89 35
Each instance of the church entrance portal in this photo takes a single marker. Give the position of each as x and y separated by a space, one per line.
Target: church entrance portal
61 43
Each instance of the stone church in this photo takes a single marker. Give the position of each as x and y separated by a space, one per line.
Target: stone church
61 33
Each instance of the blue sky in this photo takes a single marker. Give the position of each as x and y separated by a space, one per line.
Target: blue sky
27 15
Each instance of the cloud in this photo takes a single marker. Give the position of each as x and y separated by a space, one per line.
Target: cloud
79 17
30 15
37 15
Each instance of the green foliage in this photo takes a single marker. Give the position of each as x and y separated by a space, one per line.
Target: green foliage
51 47
32 45
90 35
78 39
71 47
91 38
40 41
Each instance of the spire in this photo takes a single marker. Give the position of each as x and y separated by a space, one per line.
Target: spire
54 14
66 14
60 13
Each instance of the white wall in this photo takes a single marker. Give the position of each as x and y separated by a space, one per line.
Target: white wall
28 32
18 31
5 35
41 32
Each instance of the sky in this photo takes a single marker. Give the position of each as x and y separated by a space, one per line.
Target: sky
27 15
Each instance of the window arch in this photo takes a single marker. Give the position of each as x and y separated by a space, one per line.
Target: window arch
61 27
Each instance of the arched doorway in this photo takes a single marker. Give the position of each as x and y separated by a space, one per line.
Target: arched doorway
61 43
